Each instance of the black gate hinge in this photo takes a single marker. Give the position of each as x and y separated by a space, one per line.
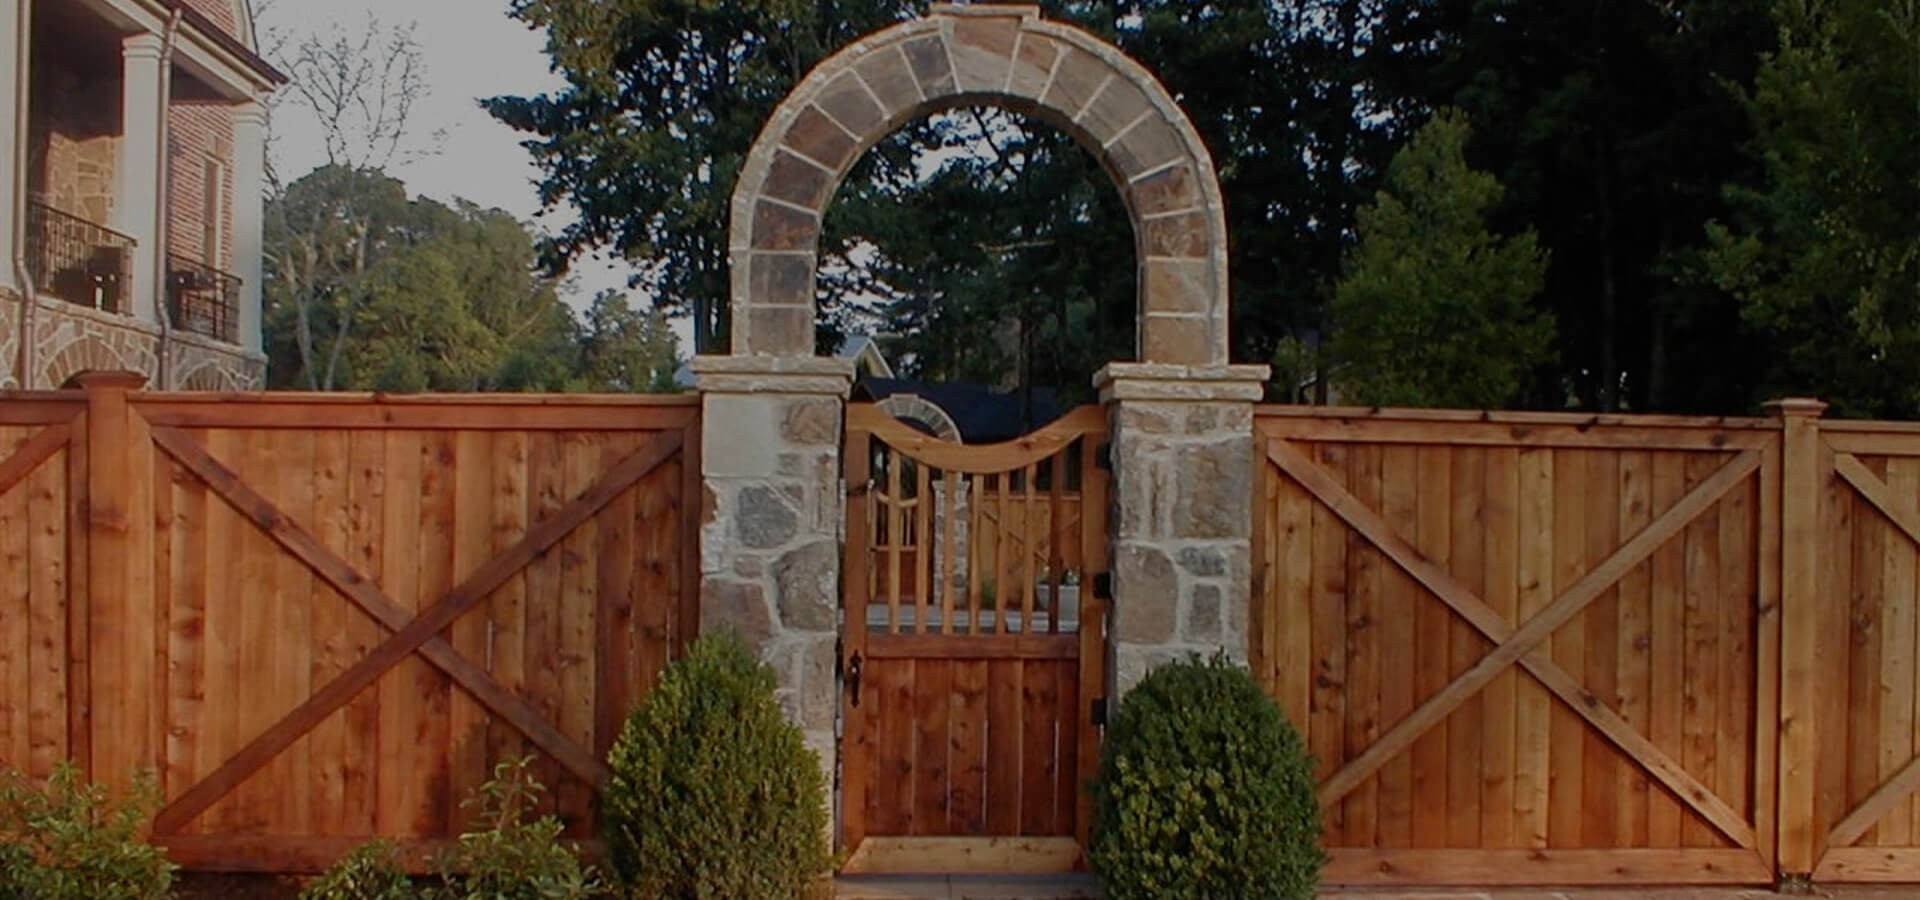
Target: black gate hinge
1103 455
1098 713
1103 586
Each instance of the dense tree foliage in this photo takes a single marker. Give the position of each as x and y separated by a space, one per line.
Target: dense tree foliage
1616 131
1435 309
367 288
1824 254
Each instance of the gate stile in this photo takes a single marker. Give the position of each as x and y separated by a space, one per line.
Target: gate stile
974 644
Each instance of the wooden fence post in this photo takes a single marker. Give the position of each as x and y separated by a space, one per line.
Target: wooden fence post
1800 547
119 583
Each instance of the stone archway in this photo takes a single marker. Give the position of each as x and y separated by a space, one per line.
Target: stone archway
1179 419
984 54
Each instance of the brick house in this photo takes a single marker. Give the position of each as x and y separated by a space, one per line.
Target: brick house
131 200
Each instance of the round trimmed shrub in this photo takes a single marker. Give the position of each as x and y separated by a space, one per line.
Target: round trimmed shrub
1205 791
714 793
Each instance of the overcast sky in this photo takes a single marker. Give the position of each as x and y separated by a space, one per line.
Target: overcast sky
471 49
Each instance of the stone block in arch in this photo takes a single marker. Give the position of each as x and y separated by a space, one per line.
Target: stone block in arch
913 408
989 54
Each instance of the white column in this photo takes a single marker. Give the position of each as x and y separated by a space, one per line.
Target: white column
136 201
249 211
13 27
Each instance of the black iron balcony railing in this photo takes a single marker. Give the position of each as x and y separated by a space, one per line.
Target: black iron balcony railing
203 299
78 261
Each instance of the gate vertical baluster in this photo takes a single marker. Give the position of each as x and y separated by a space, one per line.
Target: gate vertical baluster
949 517
894 526
1057 473
922 547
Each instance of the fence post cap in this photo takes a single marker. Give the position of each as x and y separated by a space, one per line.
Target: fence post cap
1796 406
109 380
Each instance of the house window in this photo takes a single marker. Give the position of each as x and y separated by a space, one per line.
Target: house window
212 223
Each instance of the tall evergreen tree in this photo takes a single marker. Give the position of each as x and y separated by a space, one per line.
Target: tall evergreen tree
1612 128
1435 309
662 100
1825 253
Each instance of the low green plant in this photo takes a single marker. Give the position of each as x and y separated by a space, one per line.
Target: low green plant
371 872
714 793
75 840
1205 791
516 857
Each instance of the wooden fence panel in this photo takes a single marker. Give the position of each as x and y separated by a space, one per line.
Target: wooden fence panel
1860 763
40 454
257 564
1524 651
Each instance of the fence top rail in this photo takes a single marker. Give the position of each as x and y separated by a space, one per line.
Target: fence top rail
361 398
40 407
1363 414
1869 426
445 412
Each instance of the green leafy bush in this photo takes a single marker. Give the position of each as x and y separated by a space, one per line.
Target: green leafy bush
714 793
74 840
1205 791
514 858
371 872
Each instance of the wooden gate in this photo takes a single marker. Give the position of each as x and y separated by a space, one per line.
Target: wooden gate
973 646
1532 649
1852 740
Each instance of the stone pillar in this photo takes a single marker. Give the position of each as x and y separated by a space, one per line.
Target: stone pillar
249 214
136 200
1183 475
770 434
13 27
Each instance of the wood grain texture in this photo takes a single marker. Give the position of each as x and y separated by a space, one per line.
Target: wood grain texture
1553 571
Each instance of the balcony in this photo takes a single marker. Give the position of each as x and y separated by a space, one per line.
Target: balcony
202 299
78 261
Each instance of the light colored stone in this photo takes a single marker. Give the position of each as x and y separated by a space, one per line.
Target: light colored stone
739 435
1146 595
1203 561
983 52
1203 618
805 580
739 605
1163 381
931 66
763 519
811 422
1214 496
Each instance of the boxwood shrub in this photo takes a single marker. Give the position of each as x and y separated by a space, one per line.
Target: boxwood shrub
1205 791
714 793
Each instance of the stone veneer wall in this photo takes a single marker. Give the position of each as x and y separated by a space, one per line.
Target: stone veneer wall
771 539
9 338
1182 527
74 140
72 339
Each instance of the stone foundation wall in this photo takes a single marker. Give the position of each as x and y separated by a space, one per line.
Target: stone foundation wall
9 338
72 339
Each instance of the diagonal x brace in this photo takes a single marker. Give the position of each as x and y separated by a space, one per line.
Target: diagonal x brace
412 633
1522 645
32 452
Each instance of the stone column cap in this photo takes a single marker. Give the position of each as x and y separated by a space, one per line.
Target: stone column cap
1166 381
773 375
